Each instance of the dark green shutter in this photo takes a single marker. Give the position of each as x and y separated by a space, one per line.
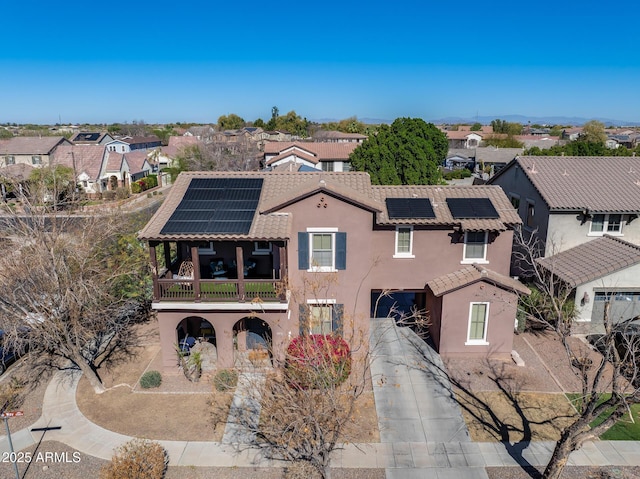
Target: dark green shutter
336 319
341 250
302 320
303 250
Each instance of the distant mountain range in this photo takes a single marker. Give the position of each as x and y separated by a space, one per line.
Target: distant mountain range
523 119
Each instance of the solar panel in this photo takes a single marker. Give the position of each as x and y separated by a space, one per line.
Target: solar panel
406 208
216 206
465 208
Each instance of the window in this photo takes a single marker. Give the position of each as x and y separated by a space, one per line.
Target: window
602 223
475 247
515 200
531 211
206 248
322 249
261 247
478 315
346 166
321 316
36 160
10 160
404 242
327 165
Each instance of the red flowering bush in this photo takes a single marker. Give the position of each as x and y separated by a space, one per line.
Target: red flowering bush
317 361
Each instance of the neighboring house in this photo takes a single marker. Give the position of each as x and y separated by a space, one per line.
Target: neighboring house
132 143
464 139
138 164
316 155
115 172
490 160
541 141
338 137
567 202
86 161
256 258
91 138
571 134
458 158
165 155
29 150
200 132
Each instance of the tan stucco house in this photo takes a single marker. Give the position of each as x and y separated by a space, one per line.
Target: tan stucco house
251 259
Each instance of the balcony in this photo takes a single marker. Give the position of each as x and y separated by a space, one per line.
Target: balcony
225 290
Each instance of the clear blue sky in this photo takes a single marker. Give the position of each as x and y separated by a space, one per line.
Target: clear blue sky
161 61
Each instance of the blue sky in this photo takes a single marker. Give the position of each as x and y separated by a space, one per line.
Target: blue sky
167 61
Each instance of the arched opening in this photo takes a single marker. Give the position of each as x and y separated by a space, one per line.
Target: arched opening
253 345
113 182
197 334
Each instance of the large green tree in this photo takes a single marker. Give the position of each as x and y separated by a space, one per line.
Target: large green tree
593 131
230 122
407 152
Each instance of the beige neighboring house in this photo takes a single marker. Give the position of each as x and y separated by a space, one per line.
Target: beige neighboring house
250 245
464 139
165 155
115 172
309 155
330 136
87 163
200 132
30 150
138 164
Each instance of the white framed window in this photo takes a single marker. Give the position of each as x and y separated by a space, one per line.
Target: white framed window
206 248
404 242
36 160
605 224
321 313
515 200
327 165
322 254
475 247
261 248
322 249
478 322
10 160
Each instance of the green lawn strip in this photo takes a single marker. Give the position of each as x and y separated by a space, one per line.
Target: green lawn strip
624 430
252 289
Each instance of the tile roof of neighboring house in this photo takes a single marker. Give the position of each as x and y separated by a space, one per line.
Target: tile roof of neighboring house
31 145
496 155
19 171
570 183
472 274
135 140
324 151
294 152
461 135
82 158
467 153
438 196
114 161
181 141
136 160
336 135
280 189
592 260
86 137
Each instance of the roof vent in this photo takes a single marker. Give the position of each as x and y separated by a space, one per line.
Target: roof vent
323 183
484 273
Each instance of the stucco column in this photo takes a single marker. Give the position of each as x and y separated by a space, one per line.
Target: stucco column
224 343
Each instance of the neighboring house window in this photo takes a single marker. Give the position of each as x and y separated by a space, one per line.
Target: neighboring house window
321 316
515 200
36 160
531 212
327 165
10 160
206 248
322 249
346 166
404 242
478 319
475 247
602 223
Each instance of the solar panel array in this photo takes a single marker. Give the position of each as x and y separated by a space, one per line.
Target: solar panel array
407 208
216 206
467 208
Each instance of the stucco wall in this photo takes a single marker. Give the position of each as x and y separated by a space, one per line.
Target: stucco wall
454 323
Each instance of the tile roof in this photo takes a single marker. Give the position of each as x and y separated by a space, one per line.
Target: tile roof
287 154
461 135
180 141
497 155
335 135
281 188
592 260
438 196
82 158
599 183
324 151
136 160
31 145
18 171
472 274
114 161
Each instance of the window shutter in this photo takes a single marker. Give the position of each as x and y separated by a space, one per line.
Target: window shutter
303 320
341 250
336 318
303 250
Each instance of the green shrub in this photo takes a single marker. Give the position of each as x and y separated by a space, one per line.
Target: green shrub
136 188
225 379
151 379
317 361
149 195
138 458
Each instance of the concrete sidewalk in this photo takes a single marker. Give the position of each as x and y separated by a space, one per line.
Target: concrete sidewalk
421 435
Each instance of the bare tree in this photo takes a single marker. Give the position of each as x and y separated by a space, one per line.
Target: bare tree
73 287
609 382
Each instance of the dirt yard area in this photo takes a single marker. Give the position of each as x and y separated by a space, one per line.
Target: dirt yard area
527 401
178 409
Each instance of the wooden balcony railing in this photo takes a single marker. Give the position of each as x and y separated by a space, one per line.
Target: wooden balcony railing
228 290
